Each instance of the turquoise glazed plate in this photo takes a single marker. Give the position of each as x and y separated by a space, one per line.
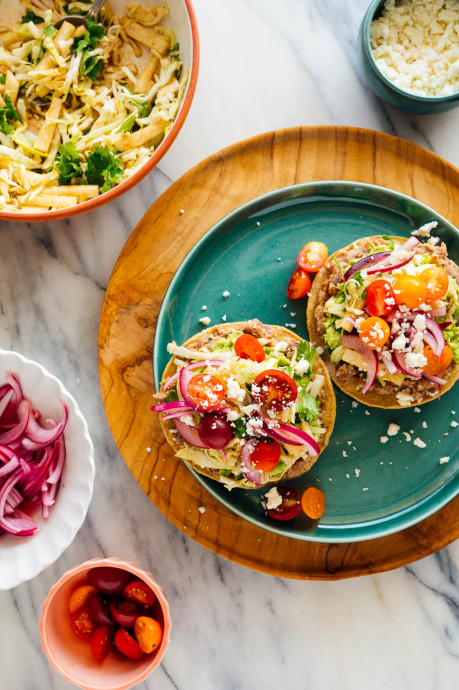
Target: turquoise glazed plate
371 488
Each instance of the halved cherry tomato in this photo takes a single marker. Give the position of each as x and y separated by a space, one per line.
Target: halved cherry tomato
206 391
109 580
374 332
313 256
248 347
82 623
127 645
100 642
290 506
125 612
409 290
436 280
140 593
100 609
313 503
275 389
81 597
265 455
380 298
299 284
436 364
148 633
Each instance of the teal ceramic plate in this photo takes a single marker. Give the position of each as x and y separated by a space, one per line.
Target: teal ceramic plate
371 488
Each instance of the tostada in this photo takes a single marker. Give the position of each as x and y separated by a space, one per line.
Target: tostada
246 404
385 311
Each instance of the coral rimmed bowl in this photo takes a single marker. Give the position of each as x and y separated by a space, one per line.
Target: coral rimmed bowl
72 657
181 19
22 558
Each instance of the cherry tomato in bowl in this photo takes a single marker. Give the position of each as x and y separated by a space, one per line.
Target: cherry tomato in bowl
82 623
125 613
313 256
101 642
140 593
127 645
275 389
100 609
81 597
289 508
109 580
148 633
249 347
299 284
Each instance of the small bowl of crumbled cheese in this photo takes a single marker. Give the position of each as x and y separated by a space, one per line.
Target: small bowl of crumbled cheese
409 53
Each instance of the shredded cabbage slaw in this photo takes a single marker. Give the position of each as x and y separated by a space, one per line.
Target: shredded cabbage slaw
82 108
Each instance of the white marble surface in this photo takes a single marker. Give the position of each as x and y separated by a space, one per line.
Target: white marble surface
265 64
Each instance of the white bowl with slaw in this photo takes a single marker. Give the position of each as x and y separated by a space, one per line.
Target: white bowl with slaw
22 558
36 130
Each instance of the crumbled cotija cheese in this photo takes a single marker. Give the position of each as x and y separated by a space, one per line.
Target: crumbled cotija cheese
415 44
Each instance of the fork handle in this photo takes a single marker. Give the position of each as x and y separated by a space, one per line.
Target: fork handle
94 10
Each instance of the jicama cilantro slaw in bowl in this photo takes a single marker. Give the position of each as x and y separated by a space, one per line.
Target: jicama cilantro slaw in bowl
88 111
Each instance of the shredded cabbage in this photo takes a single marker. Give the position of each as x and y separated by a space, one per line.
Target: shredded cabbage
89 90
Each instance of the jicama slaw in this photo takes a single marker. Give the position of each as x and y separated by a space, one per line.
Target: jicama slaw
32 459
82 109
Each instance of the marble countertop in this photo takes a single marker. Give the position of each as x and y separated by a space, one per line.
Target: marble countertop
265 64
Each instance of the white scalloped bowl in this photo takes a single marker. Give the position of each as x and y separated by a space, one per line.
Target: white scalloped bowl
22 558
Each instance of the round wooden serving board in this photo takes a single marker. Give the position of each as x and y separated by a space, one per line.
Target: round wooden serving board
140 278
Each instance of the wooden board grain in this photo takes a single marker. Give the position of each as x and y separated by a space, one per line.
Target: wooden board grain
140 278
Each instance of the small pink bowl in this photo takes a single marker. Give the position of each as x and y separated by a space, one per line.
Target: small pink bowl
72 657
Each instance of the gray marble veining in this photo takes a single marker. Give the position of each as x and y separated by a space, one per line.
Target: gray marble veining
265 64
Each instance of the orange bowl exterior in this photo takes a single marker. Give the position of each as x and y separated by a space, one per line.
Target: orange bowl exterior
72 657
134 179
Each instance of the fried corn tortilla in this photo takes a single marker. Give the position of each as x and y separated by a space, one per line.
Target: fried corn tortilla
315 317
276 334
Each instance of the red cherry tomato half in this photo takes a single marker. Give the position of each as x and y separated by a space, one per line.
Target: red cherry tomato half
248 347
109 580
127 645
299 284
275 389
380 298
124 612
265 455
140 593
81 597
313 256
206 391
148 633
100 609
100 642
82 623
290 506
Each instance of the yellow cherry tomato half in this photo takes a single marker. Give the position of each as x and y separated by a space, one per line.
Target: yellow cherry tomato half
374 332
409 290
313 256
148 633
436 364
81 597
436 281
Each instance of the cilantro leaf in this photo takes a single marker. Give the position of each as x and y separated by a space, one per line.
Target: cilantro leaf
144 108
104 169
240 428
91 65
8 114
2 78
306 351
31 17
68 163
307 407
172 397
